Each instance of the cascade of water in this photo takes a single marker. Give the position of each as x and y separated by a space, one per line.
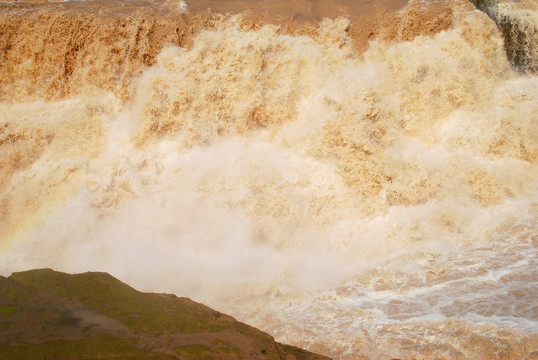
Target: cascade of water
363 201
518 21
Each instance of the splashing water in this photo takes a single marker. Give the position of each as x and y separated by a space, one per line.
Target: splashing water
363 205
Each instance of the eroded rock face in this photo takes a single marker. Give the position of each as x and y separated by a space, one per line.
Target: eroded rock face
43 312
519 25
518 21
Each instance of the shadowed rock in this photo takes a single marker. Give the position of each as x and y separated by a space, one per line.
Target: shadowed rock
47 314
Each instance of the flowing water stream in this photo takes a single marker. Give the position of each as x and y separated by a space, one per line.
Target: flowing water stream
379 204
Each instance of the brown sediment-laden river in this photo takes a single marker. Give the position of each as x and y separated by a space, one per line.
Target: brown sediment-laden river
359 178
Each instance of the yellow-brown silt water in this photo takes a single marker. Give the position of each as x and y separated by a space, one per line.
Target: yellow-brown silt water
356 178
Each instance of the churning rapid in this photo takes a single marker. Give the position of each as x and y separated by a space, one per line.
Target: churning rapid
356 178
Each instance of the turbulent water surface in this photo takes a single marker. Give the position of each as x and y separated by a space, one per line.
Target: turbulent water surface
356 178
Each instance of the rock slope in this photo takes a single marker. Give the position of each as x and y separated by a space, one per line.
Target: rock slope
46 314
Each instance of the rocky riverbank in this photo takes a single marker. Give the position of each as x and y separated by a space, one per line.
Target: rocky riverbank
46 314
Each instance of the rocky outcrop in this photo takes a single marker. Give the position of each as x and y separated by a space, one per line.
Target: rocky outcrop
46 314
518 22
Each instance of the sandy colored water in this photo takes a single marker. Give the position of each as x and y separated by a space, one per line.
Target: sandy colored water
357 179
